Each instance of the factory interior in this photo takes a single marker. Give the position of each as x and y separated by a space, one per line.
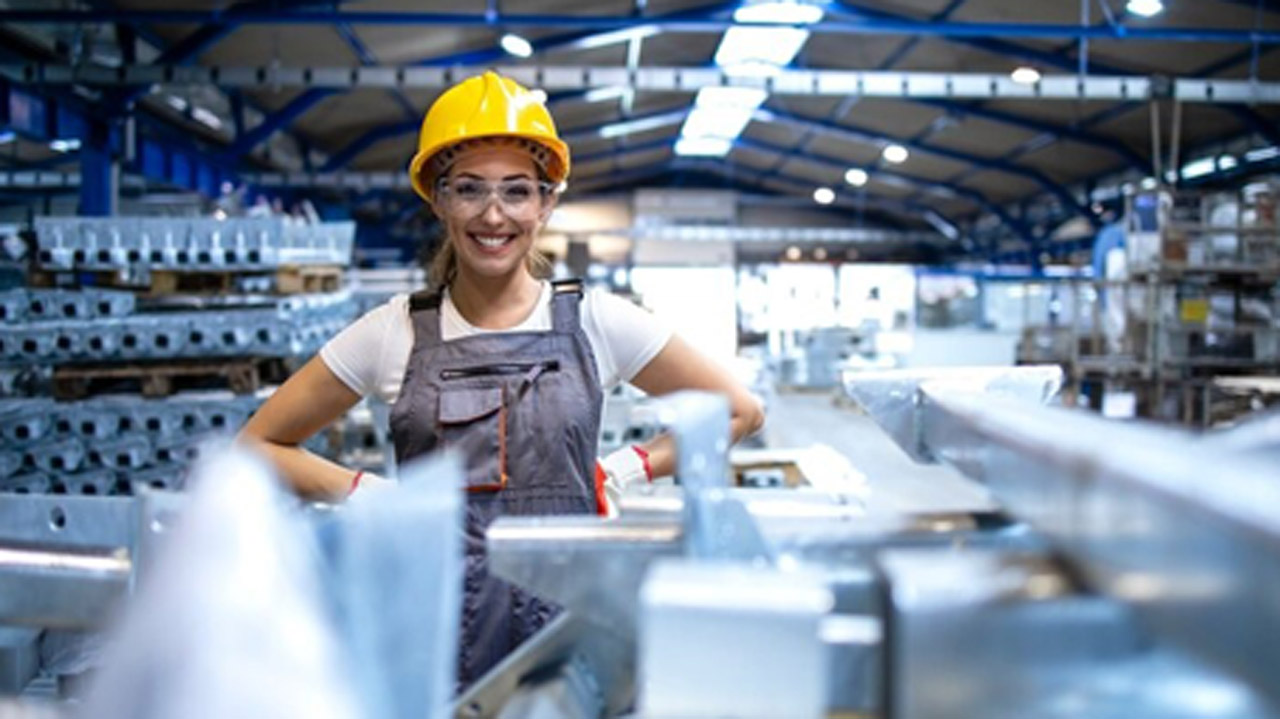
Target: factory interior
662 359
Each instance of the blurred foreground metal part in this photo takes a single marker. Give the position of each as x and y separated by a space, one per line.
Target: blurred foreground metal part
1113 585
1130 574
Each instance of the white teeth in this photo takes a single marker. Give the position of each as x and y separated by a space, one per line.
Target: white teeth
491 241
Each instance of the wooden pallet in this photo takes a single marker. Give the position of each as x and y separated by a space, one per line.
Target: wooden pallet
308 278
161 379
287 280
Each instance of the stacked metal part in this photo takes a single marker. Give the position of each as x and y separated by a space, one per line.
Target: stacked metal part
110 445
192 245
1118 584
66 326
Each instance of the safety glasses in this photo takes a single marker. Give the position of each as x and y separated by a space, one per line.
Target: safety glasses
472 196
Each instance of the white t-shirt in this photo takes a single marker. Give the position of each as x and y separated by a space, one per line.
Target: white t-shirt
371 354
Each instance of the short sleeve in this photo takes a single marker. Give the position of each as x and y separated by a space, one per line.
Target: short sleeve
624 336
358 353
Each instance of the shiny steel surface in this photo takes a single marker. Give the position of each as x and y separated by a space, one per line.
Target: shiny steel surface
1185 532
892 397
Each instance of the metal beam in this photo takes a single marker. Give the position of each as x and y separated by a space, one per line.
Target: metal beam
583 39
1123 503
618 22
839 168
343 157
278 120
825 83
801 187
1060 61
896 56
368 59
864 137
1057 131
397 179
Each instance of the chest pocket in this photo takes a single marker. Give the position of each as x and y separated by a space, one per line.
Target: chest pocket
473 421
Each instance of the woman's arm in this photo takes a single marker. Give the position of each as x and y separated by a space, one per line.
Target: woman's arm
311 399
678 366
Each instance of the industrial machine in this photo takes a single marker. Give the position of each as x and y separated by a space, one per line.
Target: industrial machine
1131 572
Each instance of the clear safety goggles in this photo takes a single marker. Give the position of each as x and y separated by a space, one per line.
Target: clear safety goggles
473 196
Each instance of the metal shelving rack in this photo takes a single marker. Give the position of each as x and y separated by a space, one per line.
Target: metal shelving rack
1200 302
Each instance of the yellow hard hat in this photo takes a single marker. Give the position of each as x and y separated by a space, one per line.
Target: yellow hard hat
487 105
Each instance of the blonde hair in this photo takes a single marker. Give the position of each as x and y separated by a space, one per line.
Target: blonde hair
443 267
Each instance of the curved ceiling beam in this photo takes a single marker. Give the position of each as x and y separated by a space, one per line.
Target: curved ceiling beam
1116 147
870 26
864 137
840 166
278 120
563 41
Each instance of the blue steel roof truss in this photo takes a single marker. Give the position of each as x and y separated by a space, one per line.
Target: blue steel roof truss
990 37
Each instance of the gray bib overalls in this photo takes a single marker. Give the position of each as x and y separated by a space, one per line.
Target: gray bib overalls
523 408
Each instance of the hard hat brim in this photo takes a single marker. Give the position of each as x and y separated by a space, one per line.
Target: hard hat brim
557 170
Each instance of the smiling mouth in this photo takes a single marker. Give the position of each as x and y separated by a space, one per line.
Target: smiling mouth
491 242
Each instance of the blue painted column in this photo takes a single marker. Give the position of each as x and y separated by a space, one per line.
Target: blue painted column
99 171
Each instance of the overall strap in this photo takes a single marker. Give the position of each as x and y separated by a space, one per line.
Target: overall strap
424 311
565 299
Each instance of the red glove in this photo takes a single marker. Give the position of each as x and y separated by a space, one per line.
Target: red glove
614 473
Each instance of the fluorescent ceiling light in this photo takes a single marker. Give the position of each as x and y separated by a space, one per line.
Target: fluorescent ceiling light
1145 8
7 136
1149 183
856 177
608 92
728 122
703 146
897 154
1258 155
1025 75
67 145
513 44
940 223
778 13
722 111
613 37
1198 168
176 103
824 195
756 45
1227 162
643 124
203 116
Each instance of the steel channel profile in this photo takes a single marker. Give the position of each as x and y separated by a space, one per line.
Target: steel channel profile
716 525
892 397
397 562
64 561
121 244
267 332
1185 532
1005 635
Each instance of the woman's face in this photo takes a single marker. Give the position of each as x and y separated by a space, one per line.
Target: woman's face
492 206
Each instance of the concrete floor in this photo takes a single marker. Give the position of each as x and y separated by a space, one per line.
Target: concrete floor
802 419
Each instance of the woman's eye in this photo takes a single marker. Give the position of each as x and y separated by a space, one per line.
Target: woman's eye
468 190
518 192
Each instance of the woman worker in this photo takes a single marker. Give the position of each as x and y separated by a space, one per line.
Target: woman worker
494 360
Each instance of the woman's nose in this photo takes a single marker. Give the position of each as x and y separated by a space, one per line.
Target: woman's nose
492 213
